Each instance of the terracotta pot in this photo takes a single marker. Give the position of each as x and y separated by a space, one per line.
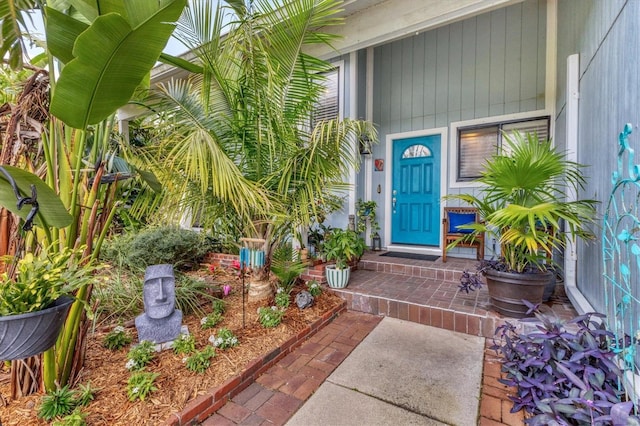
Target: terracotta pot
26 335
508 289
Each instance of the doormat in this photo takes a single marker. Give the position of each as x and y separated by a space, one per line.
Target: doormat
415 256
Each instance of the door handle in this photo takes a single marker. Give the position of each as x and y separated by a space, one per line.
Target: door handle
393 203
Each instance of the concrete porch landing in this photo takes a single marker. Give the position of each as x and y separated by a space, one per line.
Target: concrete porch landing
426 292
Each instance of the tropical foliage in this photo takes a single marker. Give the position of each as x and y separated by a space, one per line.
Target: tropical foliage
239 147
525 198
100 53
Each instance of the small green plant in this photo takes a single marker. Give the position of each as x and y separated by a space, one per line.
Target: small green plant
282 298
343 246
219 306
200 360
57 403
211 320
314 288
140 355
117 338
141 384
225 339
66 402
85 394
270 317
286 267
76 418
184 344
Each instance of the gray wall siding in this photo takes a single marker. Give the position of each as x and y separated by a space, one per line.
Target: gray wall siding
606 35
489 65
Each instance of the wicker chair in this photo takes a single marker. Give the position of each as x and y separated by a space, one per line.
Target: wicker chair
452 219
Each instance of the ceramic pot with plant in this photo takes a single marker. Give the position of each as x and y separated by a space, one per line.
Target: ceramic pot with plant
34 302
342 247
523 201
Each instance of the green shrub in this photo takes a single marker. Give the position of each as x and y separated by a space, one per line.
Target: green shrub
182 248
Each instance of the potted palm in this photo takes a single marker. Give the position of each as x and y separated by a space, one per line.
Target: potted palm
523 201
343 247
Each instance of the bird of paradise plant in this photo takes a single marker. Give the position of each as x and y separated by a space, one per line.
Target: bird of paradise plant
103 51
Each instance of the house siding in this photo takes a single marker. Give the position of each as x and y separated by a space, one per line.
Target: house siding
489 65
606 35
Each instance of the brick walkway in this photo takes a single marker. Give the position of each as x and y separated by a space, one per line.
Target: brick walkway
281 390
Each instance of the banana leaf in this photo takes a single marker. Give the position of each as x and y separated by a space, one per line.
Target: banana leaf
110 58
51 212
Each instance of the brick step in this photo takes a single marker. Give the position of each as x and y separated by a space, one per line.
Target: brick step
431 270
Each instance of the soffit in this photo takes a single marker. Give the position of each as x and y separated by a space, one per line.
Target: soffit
374 22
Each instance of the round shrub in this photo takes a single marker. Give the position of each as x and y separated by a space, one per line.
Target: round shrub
182 248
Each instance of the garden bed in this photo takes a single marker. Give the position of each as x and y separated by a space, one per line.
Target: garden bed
230 371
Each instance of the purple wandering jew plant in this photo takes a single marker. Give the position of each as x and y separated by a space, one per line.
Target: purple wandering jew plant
564 374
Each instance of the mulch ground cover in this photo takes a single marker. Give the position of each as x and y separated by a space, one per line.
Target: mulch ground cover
105 369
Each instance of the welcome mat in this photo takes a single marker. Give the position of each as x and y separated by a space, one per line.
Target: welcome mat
415 256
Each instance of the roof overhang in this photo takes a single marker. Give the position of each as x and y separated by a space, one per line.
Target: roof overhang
373 22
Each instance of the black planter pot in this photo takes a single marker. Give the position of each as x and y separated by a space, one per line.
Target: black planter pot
26 335
508 289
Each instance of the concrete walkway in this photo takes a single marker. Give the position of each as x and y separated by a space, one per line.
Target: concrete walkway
367 370
402 373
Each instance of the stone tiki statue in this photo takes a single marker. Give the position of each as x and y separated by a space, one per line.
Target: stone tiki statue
160 321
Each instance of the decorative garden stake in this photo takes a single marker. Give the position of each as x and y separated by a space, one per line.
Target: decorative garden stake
244 257
160 321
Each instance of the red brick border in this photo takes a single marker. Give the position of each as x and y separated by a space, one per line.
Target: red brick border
203 406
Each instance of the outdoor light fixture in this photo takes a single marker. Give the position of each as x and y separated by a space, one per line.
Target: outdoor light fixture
365 145
376 242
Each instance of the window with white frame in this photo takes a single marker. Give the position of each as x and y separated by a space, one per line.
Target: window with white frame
478 143
328 106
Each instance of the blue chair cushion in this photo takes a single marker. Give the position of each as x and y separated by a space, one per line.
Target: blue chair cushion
457 219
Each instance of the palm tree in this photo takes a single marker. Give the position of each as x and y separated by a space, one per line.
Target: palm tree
238 137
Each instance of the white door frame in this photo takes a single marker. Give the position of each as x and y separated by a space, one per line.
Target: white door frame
388 170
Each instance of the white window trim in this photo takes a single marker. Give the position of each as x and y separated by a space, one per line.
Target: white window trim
499 119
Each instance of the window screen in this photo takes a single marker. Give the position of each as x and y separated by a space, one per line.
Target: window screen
539 127
477 144
328 107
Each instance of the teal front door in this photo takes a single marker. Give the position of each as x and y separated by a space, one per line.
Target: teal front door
415 208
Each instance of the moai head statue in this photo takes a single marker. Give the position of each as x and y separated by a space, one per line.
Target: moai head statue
159 291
